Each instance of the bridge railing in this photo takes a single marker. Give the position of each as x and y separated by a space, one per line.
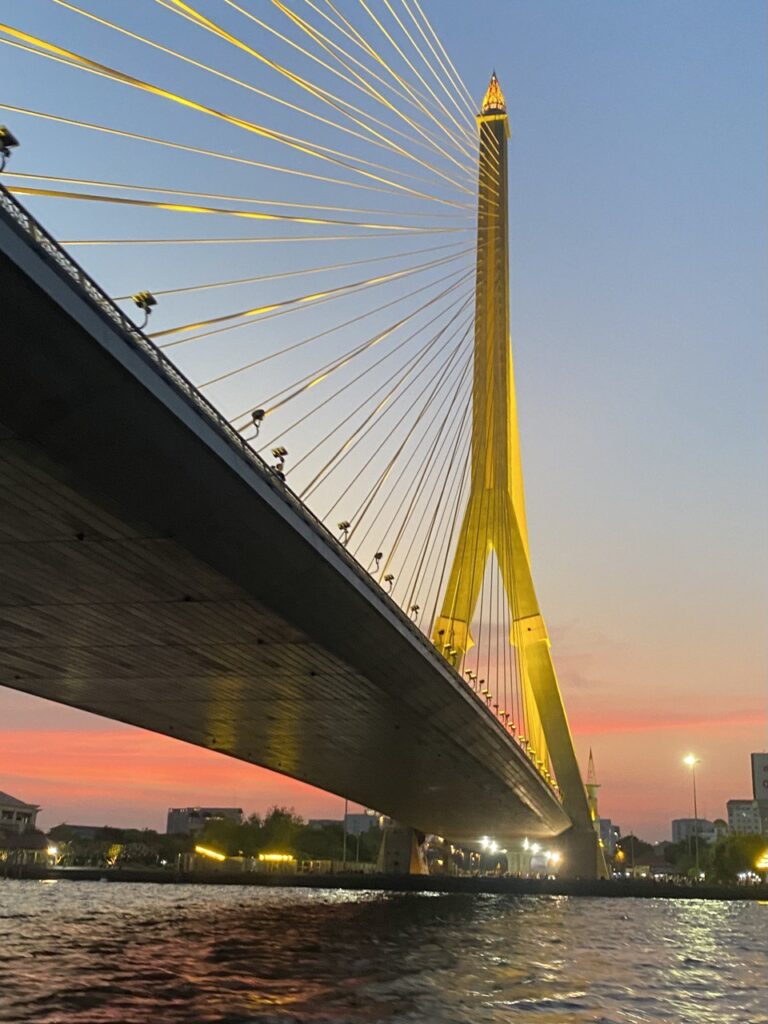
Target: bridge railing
70 269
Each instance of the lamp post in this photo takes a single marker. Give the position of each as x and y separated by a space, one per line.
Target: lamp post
691 761
344 845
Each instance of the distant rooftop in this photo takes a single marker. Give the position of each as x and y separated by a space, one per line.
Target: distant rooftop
88 831
6 800
205 810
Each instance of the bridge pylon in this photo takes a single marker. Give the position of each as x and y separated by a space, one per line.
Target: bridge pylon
494 519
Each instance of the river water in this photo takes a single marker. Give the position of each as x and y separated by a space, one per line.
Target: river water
89 952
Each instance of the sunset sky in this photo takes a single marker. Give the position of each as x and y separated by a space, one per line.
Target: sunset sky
639 224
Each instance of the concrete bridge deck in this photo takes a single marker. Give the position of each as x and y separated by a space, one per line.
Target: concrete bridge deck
155 571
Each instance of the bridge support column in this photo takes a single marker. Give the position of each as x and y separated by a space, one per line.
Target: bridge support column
582 854
402 851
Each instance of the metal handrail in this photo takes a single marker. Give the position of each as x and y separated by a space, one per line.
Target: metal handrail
65 265
59 259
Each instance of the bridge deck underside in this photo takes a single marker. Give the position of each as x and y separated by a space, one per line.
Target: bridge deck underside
146 576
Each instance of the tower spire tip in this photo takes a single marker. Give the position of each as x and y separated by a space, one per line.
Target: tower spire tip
493 101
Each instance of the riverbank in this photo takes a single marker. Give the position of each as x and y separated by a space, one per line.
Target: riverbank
616 888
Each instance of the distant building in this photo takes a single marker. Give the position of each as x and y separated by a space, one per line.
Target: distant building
20 841
66 832
27 847
686 828
609 835
744 817
357 824
188 821
15 815
760 778
750 817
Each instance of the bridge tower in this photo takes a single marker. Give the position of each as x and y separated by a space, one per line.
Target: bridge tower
494 519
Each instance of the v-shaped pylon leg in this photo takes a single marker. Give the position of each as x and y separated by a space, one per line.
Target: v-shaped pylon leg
540 686
490 523
515 570
451 631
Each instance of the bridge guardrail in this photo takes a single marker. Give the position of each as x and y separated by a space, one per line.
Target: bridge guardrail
65 265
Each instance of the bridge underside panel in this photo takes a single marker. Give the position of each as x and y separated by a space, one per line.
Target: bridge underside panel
127 624
152 575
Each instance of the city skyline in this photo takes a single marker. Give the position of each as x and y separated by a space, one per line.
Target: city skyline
638 319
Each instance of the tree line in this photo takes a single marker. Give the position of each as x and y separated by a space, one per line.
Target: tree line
280 830
723 861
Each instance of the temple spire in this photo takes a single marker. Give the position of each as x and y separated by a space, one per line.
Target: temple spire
592 786
591 773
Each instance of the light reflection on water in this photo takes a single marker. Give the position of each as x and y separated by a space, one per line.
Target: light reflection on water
89 952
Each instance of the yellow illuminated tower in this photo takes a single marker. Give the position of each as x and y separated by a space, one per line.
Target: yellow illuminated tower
494 519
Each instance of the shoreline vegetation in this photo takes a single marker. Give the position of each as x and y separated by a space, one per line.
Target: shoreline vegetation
280 843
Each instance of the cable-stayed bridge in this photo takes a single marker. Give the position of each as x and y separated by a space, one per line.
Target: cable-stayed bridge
322 566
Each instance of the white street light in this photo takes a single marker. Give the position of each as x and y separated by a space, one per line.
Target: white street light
690 760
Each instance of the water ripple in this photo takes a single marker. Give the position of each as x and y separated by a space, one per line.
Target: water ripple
87 953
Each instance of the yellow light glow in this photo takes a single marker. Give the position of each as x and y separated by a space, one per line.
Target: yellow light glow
762 863
276 858
493 101
690 760
52 851
204 851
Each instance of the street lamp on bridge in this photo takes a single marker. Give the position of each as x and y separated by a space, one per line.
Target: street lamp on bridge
8 141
